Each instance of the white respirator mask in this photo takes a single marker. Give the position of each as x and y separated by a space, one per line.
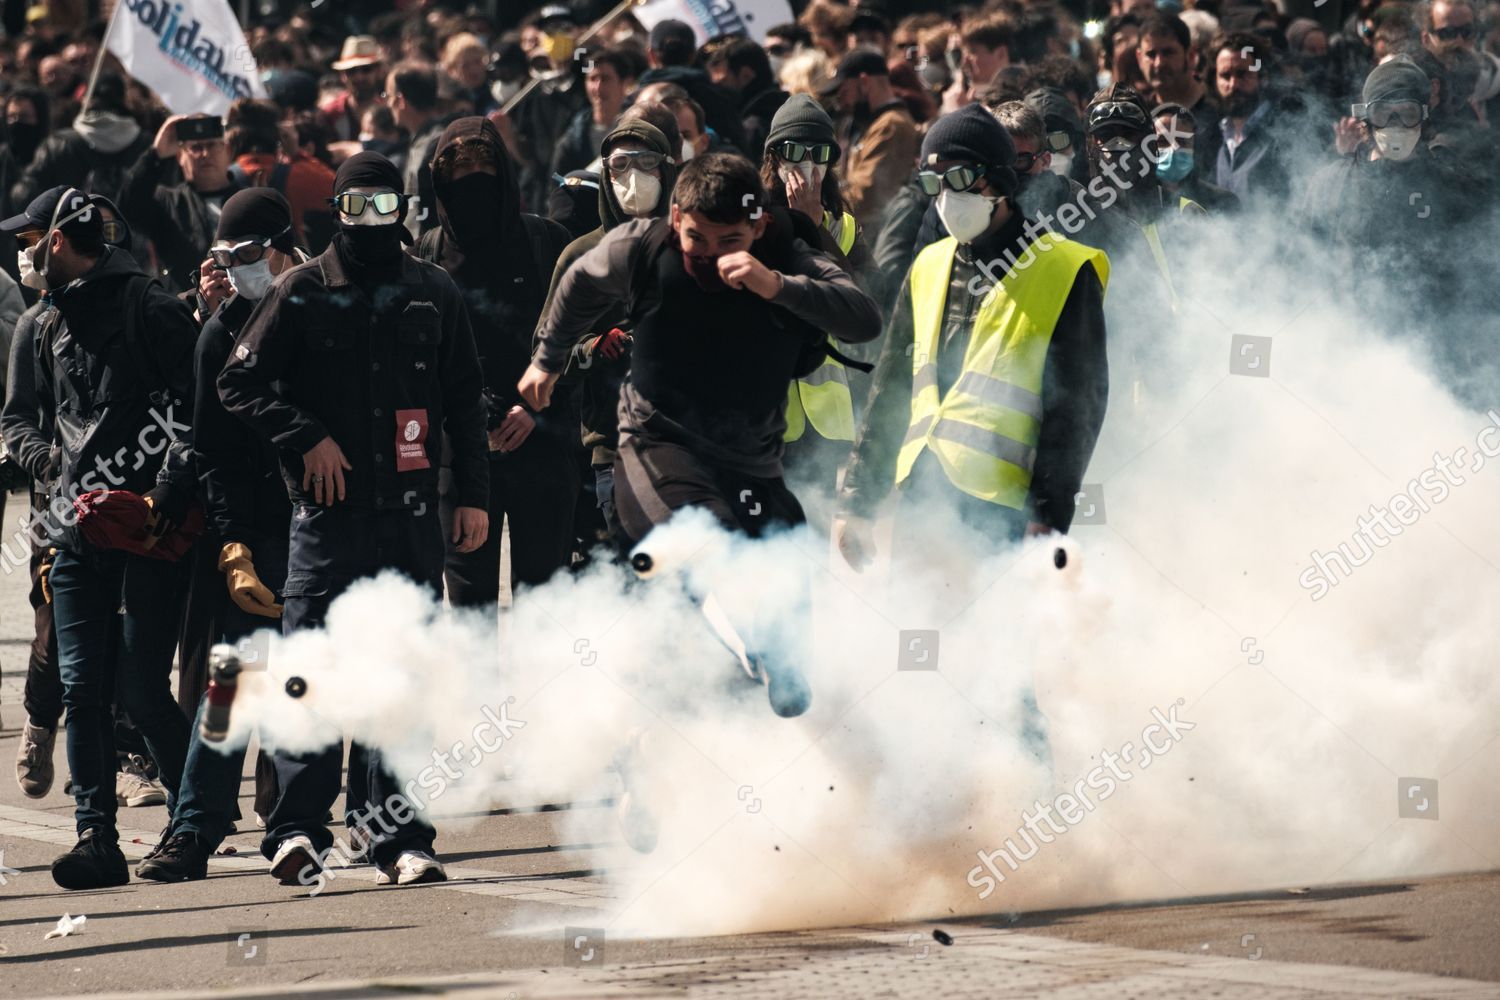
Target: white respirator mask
637 192
965 214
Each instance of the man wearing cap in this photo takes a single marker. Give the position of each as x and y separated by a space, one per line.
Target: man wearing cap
981 443
179 216
359 364
879 135
361 67
672 48
94 154
114 374
247 510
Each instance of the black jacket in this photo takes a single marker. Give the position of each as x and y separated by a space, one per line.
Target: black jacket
756 111
66 158
174 214
361 373
115 371
27 428
237 468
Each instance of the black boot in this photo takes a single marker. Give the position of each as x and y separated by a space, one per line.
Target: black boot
183 858
95 862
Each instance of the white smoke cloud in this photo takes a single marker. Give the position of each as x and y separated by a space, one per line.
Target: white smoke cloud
1217 489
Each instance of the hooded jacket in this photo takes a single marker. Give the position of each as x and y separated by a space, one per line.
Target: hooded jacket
500 262
601 378
94 156
115 371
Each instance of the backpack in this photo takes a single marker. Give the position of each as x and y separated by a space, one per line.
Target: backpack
278 179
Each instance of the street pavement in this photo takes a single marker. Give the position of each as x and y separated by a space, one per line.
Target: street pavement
526 914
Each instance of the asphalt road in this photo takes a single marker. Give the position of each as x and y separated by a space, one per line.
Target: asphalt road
515 922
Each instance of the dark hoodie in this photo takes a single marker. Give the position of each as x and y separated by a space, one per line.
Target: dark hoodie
116 374
600 377
498 256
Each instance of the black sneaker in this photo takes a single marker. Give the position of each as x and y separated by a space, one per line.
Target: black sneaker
95 862
183 858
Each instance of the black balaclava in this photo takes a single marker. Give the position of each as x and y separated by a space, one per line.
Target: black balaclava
370 251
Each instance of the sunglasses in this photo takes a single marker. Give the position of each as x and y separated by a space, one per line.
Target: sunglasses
1459 31
959 178
1382 114
1025 161
641 159
384 203
29 238
1117 112
247 252
796 152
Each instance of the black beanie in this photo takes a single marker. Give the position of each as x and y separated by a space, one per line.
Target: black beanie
368 170
802 119
973 135
257 212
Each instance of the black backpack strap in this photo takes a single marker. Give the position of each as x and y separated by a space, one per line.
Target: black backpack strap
279 176
239 175
135 327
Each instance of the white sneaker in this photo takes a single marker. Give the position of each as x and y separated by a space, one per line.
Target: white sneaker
134 788
294 857
413 868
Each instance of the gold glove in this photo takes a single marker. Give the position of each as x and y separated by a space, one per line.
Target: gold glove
245 589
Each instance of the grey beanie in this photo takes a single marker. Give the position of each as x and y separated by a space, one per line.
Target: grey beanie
1398 79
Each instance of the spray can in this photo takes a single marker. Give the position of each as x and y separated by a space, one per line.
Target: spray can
223 683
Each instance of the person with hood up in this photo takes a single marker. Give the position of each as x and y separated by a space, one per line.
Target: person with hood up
248 510
93 155
727 305
356 364
113 372
501 259
800 170
639 171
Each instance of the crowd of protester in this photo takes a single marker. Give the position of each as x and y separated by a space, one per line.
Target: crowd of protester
525 163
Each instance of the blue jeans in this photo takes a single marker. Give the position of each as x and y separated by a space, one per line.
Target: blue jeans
331 548
211 780
105 656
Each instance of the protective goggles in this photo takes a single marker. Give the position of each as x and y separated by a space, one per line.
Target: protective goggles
240 254
1383 114
1455 32
29 238
640 159
959 178
116 233
1118 113
1058 141
1025 161
796 152
384 203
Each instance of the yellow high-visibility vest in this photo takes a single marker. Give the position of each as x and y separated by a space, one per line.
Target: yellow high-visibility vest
1185 206
984 432
823 399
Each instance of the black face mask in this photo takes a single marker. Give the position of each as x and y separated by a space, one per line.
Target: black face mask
371 247
24 140
472 205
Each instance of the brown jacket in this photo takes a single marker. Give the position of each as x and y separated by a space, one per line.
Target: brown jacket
879 162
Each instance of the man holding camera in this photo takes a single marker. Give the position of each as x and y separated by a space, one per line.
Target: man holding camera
180 217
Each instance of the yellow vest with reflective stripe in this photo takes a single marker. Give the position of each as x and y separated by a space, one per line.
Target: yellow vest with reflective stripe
823 398
984 432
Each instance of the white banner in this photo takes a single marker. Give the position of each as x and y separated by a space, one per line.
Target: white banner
717 17
192 54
